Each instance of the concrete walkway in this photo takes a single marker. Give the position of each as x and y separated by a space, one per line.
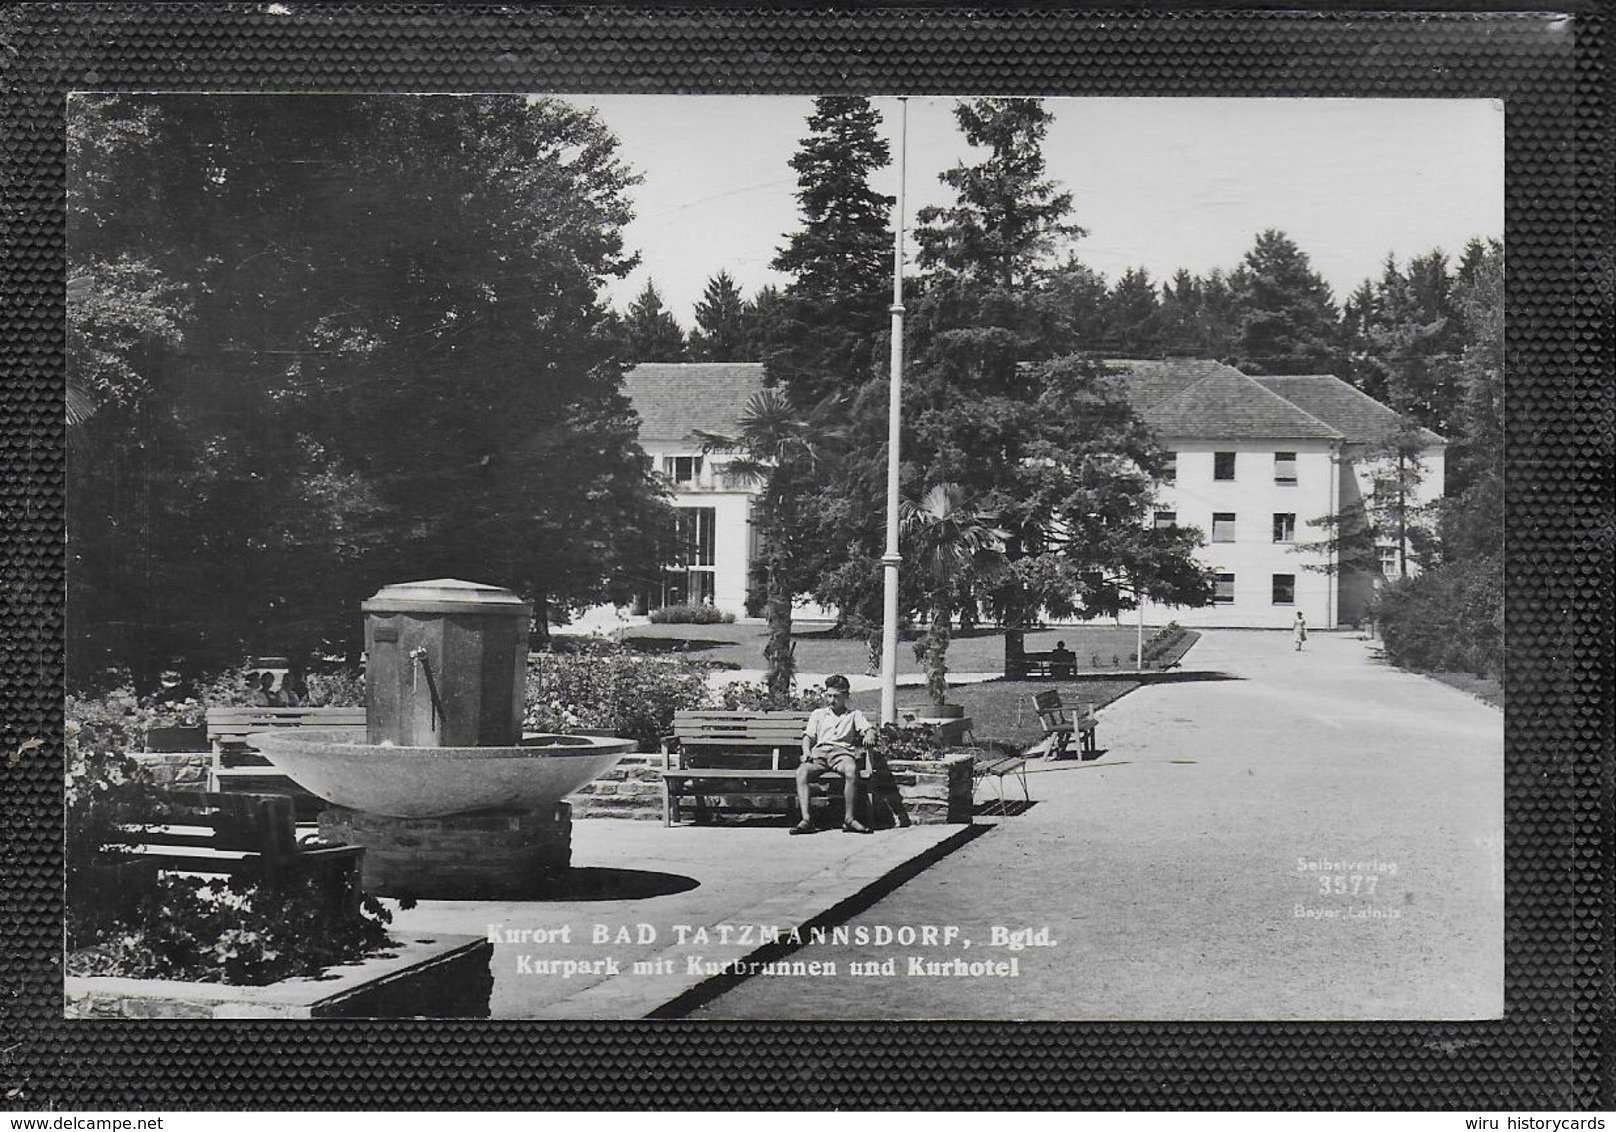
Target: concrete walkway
685 904
1317 836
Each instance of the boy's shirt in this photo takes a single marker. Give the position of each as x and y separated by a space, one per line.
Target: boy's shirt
825 726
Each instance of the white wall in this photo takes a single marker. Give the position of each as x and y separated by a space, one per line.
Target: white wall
1253 557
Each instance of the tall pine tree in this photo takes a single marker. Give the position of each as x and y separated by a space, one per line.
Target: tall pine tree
1288 321
652 333
829 327
1046 445
720 333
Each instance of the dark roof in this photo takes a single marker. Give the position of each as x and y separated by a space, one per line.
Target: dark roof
1356 415
1151 381
675 399
1193 397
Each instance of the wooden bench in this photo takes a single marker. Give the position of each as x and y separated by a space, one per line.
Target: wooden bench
1033 665
237 767
248 835
719 754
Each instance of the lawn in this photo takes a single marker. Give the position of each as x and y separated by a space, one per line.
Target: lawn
820 651
1002 709
1485 688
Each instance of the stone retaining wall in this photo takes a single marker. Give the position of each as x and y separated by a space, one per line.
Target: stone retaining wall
443 976
632 789
176 770
463 857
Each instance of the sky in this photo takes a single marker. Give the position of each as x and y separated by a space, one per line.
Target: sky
1158 183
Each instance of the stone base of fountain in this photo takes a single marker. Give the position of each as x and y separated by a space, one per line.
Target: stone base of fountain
498 856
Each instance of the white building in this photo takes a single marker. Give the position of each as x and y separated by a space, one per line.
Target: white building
1257 461
675 402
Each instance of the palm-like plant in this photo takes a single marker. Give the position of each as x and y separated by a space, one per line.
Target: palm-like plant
956 548
782 448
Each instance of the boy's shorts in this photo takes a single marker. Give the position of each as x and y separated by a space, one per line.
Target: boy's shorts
833 758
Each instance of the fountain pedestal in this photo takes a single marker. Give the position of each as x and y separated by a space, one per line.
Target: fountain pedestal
500 856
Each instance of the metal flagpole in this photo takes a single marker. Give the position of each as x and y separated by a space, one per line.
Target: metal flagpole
890 560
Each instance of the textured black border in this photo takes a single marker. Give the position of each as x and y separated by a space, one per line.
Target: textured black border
1549 1052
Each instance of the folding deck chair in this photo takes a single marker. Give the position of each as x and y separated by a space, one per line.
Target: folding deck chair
1063 723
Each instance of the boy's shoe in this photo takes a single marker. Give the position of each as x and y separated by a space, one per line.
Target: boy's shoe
801 827
856 827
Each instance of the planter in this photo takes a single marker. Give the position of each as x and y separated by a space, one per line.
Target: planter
924 792
428 977
950 721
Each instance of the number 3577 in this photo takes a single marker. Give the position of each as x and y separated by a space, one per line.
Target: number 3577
1354 885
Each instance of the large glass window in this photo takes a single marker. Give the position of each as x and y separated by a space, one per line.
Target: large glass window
1223 590
1223 465
1284 526
695 536
690 577
1165 519
1170 468
1223 526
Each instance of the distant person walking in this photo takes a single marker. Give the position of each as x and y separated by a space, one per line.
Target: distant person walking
1299 630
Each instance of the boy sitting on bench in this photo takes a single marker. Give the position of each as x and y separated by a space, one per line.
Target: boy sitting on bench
828 747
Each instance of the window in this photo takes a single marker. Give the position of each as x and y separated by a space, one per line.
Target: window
690 577
1223 590
1223 526
1170 468
1284 589
1165 519
695 536
1388 561
1223 465
1284 526
682 469
1285 469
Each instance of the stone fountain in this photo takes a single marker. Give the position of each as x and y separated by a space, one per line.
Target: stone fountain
447 795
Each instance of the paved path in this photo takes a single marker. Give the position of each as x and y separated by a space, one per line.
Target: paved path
651 914
1182 875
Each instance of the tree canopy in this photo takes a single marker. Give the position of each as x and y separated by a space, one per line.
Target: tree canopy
722 328
650 332
997 406
337 342
829 326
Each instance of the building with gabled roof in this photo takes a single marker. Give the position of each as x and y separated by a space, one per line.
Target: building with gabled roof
1260 465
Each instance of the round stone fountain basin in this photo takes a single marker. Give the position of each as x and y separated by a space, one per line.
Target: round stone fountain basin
428 782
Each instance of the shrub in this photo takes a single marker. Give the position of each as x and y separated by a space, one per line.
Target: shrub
754 696
105 789
1448 619
235 932
917 742
690 615
598 685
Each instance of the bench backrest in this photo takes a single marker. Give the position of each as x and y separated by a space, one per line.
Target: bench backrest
1054 712
759 728
253 823
233 724
775 735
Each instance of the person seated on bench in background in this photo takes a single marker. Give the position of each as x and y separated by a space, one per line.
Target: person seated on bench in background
829 746
1062 660
266 695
